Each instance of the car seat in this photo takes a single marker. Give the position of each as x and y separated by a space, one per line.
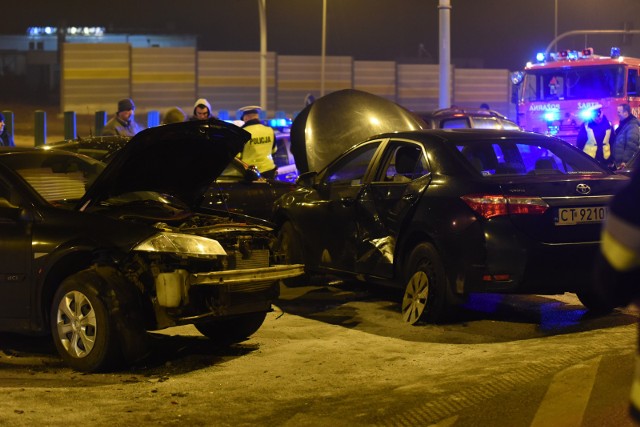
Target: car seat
407 158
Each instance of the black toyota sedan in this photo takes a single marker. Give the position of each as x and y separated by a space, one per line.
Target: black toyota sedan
238 188
97 256
445 213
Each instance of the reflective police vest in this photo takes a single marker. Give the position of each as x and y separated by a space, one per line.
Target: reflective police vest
591 146
258 150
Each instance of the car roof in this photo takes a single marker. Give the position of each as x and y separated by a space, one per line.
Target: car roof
450 112
464 134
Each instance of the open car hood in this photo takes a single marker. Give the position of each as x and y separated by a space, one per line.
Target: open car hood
180 159
339 120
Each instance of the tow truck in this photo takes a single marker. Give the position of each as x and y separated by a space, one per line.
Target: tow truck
557 93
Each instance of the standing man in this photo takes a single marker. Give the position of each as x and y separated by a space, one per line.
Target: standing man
258 151
594 136
6 140
202 110
123 124
627 137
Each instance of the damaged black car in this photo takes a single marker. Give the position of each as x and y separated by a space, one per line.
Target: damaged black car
97 256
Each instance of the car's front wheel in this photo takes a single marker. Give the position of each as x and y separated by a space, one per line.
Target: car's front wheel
425 295
83 332
232 330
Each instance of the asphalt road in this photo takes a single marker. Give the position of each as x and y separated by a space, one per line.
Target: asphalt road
340 356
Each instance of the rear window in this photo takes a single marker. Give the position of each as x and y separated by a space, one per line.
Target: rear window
56 177
535 157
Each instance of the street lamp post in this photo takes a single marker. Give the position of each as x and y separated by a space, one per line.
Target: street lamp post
263 53
323 51
555 24
445 53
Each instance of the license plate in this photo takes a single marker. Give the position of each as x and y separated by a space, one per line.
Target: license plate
585 215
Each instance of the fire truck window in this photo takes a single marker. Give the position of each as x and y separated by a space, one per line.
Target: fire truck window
554 87
632 83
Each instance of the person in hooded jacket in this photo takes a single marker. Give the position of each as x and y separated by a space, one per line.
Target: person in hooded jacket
627 137
594 137
202 110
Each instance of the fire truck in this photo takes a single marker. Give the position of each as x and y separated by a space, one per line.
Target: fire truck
558 93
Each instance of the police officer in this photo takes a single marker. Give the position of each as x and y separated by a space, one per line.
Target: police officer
594 136
259 150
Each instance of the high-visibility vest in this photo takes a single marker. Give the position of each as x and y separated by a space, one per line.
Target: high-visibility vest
259 149
591 146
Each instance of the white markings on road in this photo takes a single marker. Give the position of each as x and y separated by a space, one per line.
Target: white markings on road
567 396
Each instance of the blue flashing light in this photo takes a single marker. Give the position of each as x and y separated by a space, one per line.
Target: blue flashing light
587 115
540 56
551 116
615 52
280 123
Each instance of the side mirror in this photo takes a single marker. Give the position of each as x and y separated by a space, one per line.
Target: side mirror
13 212
307 179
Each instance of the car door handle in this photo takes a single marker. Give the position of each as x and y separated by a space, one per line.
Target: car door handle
409 197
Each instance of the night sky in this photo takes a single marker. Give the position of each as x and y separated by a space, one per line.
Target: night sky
484 33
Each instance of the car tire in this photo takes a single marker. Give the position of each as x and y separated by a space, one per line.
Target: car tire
83 331
593 302
290 245
425 296
232 330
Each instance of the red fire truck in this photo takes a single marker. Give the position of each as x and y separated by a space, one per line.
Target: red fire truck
556 94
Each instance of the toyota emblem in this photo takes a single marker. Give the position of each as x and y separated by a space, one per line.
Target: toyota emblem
583 189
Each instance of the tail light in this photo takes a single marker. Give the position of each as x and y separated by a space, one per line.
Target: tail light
488 205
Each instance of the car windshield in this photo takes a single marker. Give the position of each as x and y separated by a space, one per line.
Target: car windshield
527 157
56 177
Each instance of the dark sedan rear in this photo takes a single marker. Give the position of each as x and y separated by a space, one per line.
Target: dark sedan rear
443 213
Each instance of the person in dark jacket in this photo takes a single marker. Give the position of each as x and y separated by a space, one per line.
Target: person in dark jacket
627 137
6 140
594 136
123 123
618 265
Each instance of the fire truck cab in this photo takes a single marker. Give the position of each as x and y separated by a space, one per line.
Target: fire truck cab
556 94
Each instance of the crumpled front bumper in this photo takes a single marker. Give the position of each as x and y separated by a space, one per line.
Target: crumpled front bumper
173 288
251 275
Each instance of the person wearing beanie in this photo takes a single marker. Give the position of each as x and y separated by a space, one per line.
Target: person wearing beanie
202 110
259 150
6 140
123 123
174 115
